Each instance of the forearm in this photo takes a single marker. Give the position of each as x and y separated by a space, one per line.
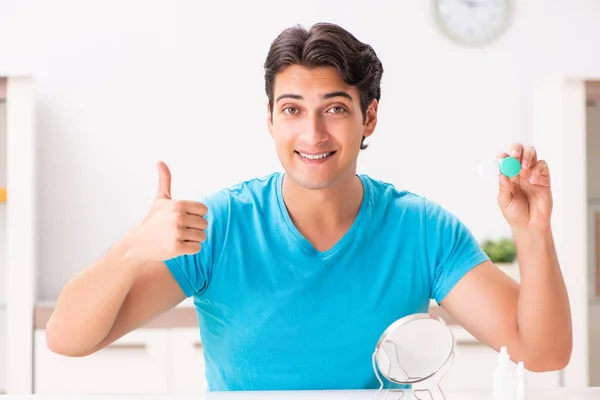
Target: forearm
88 305
544 317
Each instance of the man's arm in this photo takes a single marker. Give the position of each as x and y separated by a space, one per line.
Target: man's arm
131 285
533 319
111 298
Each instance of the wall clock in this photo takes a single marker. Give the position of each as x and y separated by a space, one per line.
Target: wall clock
473 22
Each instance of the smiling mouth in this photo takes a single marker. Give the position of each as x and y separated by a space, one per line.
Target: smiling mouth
316 156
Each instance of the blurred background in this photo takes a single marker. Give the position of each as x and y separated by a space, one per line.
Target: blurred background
93 93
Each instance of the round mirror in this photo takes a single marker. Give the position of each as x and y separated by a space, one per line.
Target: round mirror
414 349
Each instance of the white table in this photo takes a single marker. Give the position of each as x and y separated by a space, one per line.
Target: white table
553 394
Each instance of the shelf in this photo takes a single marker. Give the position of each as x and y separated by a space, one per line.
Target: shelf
20 238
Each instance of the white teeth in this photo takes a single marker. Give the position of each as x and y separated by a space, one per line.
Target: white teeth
315 156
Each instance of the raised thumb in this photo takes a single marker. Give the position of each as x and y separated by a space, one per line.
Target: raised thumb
164 181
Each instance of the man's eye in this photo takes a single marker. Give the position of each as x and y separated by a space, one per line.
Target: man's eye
290 110
337 110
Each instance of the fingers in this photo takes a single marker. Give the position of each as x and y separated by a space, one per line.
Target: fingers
189 247
532 170
192 221
192 235
529 157
196 208
191 207
540 174
164 181
190 227
516 150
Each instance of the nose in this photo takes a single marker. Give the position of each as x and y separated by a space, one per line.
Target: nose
314 130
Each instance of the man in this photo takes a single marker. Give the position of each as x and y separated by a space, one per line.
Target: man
295 276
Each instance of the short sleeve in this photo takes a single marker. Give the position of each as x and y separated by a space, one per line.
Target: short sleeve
193 271
452 250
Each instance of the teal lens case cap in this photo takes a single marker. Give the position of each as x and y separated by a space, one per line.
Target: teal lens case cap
510 166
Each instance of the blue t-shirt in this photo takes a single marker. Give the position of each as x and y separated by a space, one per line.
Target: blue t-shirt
276 314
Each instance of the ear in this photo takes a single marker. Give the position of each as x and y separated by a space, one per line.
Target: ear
371 118
269 119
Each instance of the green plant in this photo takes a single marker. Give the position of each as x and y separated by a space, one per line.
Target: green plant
500 251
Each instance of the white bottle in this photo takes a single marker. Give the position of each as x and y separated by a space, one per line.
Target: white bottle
503 379
521 381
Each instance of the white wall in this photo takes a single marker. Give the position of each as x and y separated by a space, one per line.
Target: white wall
123 84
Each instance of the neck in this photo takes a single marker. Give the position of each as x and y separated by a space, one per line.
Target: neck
328 209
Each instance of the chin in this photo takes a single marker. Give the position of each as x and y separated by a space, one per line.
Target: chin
312 183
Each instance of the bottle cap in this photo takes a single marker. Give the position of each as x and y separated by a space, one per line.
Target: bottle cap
503 354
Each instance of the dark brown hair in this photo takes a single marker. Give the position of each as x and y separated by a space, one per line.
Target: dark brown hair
327 44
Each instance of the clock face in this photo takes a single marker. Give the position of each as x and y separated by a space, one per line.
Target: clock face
472 22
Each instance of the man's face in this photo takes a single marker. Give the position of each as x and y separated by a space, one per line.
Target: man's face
317 125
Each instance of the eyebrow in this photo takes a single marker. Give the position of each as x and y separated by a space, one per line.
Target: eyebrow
325 96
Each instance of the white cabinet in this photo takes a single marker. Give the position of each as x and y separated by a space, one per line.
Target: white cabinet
146 361
171 360
186 361
136 363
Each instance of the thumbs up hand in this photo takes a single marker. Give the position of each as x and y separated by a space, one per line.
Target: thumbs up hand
172 227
